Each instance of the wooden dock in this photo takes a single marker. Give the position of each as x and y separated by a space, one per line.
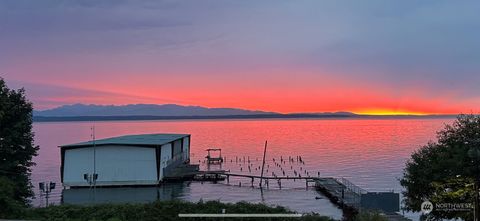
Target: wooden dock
266 179
339 187
339 191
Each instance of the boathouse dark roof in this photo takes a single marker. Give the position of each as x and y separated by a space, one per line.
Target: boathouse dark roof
144 140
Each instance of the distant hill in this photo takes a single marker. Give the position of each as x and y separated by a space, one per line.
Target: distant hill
90 112
172 110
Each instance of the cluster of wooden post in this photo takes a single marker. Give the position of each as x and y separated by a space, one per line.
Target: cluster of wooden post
298 173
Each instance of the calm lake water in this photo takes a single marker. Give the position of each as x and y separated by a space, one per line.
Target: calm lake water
369 152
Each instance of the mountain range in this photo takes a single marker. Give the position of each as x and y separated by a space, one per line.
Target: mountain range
76 110
88 112
92 112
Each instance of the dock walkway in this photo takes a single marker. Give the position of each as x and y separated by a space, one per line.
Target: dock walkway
265 180
339 191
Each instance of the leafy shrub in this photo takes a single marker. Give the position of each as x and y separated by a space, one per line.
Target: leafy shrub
9 207
160 210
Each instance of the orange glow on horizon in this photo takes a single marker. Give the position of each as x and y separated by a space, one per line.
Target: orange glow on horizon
385 112
274 91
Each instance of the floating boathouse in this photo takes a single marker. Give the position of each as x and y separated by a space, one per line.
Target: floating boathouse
131 160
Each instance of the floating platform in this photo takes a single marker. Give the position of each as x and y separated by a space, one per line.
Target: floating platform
209 177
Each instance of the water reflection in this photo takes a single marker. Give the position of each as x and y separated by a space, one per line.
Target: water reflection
297 199
369 152
121 194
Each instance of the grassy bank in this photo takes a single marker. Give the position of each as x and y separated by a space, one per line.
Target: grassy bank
161 210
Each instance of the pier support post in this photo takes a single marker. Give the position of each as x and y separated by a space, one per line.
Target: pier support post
252 181
263 163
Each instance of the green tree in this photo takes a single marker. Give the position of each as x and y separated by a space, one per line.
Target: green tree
16 144
445 171
9 208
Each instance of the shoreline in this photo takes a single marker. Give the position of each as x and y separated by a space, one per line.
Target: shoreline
230 117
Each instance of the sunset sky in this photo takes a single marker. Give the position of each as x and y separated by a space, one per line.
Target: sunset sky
381 57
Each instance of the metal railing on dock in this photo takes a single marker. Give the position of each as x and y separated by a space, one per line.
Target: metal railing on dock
350 186
355 190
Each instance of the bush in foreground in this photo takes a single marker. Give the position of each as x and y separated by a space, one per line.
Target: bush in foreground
445 171
16 150
161 210
370 216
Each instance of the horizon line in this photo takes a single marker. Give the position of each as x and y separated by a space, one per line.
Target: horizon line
365 112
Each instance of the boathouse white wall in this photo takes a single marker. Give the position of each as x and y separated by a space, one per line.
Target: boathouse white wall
121 165
116 165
